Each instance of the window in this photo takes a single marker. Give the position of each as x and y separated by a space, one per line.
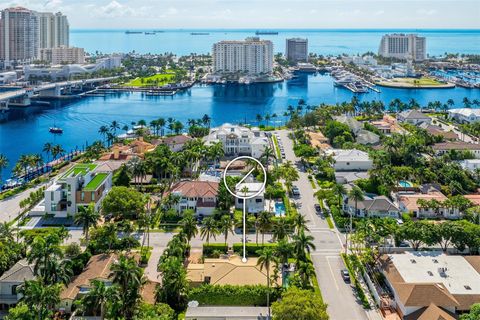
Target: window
93 195
51 196
14 290
82 196
258 200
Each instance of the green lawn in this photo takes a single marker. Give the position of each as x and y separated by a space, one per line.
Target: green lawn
96 182
79 169
159 79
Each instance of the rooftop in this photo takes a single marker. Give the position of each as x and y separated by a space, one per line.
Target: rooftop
457 145
19 272
348 155
79 169
467 112
454 272
229 271
196 189
98 267
413 114
410 200
96 181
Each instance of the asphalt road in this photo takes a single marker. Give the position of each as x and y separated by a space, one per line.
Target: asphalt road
340 297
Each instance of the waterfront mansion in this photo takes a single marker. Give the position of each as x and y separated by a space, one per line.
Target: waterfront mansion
238 141
80 185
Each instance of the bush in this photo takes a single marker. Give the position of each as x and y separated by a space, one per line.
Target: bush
227 295
72 250
274 191
209 249
251 248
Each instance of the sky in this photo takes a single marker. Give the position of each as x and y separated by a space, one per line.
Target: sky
330 14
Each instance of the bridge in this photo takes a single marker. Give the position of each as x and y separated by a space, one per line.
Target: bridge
22 96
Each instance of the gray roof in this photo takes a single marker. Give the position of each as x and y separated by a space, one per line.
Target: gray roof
20 272
367 137
380 203
413 114
351 122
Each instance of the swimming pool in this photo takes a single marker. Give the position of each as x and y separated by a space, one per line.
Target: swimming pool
405 184
279 209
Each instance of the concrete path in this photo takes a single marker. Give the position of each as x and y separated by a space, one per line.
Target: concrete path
151 270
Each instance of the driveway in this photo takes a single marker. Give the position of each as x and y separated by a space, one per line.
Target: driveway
340 297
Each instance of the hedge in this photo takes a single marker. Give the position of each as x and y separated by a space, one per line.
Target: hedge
251 248
229 295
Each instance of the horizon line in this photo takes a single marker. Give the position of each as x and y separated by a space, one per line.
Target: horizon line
279 29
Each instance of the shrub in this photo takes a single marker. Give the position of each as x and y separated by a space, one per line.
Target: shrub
251 248
209 249
274 191
226 295
72 250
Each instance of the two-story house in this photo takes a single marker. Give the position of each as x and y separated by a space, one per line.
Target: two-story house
20 272
97 268
79 186
238 140
413 116
252 205
379 206
199 196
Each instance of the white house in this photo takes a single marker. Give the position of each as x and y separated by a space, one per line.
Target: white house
470 164
444 147
199 196
11 279
238 140
465 115
350 160
379 206
255 204
79 186
413 117
420 280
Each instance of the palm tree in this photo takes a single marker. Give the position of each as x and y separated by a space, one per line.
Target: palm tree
306 271
128 276
339 190
87 217
265 259
47 148
57 150
264 223
259 118
208 229
43 252
6 232
39 297
114 126
103 130
138 169
125 128
226 225
300 223
206 120
161 125
189 226
280 230
266 155
301 243
97 297
357 195
283 251
3 164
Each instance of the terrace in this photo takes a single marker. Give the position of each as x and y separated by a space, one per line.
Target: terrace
96 181
78 169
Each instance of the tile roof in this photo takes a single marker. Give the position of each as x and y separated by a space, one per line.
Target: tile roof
229 271
432 312
457 145
98 267
380 203
178 139
410 200
474 198
413 114
196 189
19 272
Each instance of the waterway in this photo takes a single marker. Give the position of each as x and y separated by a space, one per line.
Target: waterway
25 130
320 41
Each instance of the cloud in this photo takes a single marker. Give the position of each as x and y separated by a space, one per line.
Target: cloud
379 13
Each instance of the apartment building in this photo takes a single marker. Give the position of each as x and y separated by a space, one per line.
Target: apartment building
19 36
54 30
296 50
250 56
403 46
63 55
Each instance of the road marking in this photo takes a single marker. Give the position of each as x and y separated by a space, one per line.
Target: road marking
331 271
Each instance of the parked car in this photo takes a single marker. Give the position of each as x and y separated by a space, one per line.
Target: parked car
295 191
345 275
318 208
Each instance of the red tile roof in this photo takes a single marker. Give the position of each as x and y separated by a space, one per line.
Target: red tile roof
196 189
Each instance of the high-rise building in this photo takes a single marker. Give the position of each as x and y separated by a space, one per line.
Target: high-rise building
251 56
296 50
54 30
62 54
19 37
403 46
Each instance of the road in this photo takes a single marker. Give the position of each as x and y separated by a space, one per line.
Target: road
340 297
449 127
10 208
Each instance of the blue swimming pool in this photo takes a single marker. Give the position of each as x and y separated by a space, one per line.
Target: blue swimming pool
279 209
405 184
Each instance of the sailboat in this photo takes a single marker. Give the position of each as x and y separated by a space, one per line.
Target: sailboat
55 129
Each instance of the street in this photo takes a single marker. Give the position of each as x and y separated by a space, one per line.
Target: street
340 297
10 208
